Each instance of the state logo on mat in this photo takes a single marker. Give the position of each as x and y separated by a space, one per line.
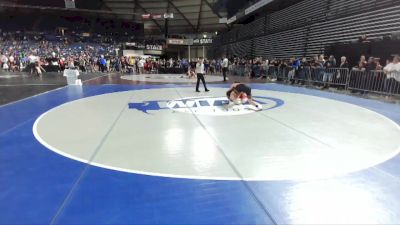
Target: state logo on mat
212 106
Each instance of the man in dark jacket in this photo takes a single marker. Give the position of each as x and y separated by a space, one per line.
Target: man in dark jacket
328 72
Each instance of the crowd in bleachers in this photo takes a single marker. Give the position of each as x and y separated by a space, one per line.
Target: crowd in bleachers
43 52
40 52
33 52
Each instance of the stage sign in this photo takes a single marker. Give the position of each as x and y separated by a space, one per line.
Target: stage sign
154 47
203 41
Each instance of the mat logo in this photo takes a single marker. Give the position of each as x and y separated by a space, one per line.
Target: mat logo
215 106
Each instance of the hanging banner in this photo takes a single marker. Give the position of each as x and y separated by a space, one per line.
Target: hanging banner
70 4
175 41
156 16
231 20
223 20
141 46
256 6
168 15
146 16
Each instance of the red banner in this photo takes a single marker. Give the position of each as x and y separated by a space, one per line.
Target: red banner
146 16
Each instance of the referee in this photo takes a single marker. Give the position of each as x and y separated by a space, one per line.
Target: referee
225 65
200 74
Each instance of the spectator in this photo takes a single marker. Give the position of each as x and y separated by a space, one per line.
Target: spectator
361 64
328 72
363 39
343 62
317 63
343 71
141 65
4 62
302 71
103 64
378 65
295 64
370 64
39 68
392 71
322 59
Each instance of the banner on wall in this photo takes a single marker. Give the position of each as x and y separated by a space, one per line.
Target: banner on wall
141 46
154 47
175 41
197 41
203 41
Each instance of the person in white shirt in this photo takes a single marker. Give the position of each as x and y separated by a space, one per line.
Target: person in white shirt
141 65
33 58
392 71
200 75
12 63
225 64
4 62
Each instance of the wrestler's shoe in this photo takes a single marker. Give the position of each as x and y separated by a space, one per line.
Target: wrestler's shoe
258 107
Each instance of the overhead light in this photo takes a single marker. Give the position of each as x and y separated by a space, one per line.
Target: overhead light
216 32
204 35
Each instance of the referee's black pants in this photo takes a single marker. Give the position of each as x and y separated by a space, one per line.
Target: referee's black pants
200 76
224 71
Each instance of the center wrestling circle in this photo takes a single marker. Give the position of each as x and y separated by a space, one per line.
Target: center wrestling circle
296 136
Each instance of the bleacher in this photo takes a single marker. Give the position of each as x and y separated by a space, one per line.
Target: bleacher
339 8
297 15
374 24
286 43
308 26
248 30
240 49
